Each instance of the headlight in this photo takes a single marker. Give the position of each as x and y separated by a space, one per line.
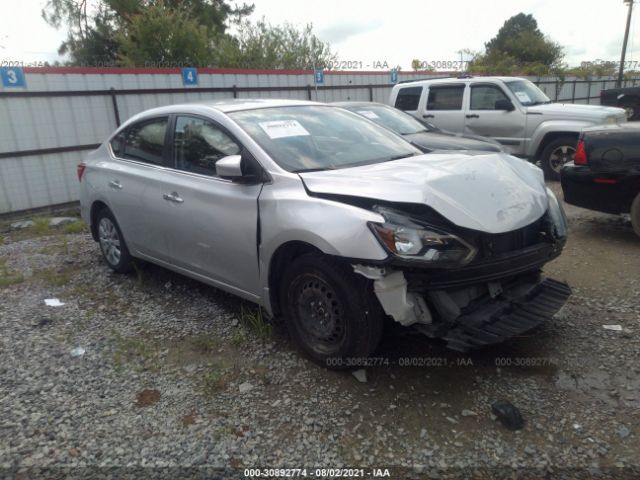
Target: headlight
411 239
557 215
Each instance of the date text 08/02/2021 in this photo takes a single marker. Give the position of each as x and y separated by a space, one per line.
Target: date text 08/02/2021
317 472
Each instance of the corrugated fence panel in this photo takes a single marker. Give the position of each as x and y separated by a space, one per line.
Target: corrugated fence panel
72 116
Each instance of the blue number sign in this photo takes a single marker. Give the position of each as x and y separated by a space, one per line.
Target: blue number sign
394 76
319 77
190 76
12 77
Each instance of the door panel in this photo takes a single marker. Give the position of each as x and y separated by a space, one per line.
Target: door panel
444 108
482 118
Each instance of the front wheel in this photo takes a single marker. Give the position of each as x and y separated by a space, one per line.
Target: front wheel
631 110
556 154
331 312
635 215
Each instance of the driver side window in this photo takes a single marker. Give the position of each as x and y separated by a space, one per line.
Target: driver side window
198 144
484 97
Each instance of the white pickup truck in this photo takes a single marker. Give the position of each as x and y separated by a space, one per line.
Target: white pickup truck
511 110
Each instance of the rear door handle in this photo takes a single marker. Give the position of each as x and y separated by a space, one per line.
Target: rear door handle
428 116
173 197
115 184
473 115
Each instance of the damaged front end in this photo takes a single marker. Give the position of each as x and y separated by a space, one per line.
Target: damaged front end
467 287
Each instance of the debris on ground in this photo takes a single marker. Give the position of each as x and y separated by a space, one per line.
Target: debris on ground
617 328
78 352
361 375
53 302
508 414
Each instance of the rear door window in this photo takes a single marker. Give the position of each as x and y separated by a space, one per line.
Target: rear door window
142 141
408 98
446 97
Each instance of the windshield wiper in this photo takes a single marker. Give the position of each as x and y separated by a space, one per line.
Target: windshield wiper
316 169
399 157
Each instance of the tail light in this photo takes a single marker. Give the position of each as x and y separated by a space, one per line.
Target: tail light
580 157
81 169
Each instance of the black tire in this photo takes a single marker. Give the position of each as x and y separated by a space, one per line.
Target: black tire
632 110
557 153
635 214
112 244
316 285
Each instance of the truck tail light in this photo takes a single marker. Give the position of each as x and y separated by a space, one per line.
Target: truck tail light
81 168
580 157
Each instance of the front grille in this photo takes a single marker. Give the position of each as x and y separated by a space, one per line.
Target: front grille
492 244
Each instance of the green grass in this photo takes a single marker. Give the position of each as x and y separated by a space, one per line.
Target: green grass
75 228
8 278
204 343
256 321
142 352
41 226
239 338
53 277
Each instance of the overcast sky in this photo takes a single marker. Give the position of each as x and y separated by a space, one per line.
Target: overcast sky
392 32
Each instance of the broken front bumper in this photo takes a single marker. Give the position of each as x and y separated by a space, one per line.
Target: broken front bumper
472 310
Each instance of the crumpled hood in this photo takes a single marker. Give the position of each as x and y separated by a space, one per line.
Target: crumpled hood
595 113
494 193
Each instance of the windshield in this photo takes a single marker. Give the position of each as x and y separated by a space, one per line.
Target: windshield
315 137
527 92
389 117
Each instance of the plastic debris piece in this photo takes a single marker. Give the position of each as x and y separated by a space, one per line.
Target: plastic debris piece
361 375
78 352
617 328
53 302
508 414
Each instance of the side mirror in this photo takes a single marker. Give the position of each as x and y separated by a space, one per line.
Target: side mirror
229 167
504 104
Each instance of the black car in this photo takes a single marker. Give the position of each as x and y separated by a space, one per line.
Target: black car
423 135
605 173
627 98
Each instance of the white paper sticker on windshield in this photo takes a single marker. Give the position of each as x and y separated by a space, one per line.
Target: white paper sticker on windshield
523 97
283 128
368 114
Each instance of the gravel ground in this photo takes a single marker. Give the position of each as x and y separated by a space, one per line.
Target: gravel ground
178 375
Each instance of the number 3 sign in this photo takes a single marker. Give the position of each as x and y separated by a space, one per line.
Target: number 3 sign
12 77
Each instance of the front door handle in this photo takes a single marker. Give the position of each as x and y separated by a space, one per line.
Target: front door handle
428 116
473 115
173 197
115 184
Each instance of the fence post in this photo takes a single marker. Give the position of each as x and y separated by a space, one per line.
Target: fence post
370 93
589 92
308 91
114 102
235 91
573 91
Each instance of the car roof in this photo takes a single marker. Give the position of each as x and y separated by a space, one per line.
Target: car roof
456 79
226 106
358 104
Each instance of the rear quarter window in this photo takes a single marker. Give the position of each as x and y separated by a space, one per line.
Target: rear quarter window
408 98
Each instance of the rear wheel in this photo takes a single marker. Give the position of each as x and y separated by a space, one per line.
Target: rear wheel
632 110
330 312
635 215
556 154
112 244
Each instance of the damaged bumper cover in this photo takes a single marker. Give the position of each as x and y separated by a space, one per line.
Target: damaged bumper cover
465 315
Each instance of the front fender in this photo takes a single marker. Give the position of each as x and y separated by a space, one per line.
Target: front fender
555 127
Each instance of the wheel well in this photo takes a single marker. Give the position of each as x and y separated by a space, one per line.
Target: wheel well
550 137
95 208
283 256
629 99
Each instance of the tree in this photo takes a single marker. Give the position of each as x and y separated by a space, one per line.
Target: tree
261 45
96 27
519 46
161 36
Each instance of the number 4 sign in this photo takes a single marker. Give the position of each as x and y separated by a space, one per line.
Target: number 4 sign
12 77
190 76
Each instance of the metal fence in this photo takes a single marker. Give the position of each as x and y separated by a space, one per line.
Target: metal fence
46 127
